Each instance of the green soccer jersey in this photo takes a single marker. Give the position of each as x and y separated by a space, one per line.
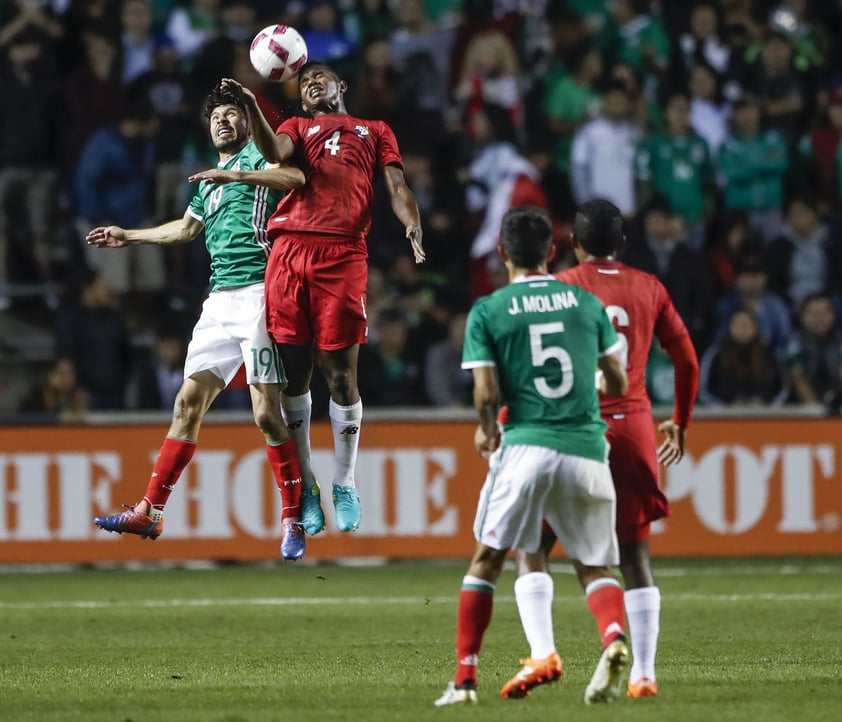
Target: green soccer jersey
678 168
544 337
235 216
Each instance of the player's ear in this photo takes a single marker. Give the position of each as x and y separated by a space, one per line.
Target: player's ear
502 253
343 87
552 253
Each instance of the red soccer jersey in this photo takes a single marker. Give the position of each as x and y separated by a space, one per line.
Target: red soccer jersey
640 308
339 155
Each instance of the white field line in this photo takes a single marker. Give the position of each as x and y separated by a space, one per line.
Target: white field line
414 601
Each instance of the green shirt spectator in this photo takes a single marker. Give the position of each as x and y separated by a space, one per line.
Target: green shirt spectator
676 164
753 162
637 38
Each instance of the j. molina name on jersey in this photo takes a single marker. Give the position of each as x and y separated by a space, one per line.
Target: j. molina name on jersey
543 303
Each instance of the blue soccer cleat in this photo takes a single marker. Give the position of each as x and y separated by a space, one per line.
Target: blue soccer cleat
132 522
312 516
294 543
346 502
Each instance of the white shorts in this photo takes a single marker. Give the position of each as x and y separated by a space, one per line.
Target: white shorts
232 331
529 484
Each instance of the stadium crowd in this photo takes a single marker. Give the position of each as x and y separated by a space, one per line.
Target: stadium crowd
713 125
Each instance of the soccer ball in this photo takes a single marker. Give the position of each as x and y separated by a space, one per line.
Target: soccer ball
278 52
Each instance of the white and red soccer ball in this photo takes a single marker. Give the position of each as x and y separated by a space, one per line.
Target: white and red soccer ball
278 52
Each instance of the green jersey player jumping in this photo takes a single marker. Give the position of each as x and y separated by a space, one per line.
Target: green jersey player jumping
232 204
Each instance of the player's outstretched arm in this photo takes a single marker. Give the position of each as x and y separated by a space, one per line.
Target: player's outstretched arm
274 148
279 177
180 231
684 359
405 208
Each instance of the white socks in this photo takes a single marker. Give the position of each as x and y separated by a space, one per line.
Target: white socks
345 422
534 597
643 609
297 411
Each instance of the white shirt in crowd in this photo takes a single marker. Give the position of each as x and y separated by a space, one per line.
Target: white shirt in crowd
602 163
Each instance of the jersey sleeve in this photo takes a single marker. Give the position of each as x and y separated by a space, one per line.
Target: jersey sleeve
197 205
291 128
669 327
387 148
477 350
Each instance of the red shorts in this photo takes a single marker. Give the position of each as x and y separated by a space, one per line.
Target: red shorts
633 459
315 290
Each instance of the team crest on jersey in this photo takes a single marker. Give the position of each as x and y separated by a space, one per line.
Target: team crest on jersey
361 130
313 130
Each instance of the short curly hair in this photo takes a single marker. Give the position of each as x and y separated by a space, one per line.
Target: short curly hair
219 96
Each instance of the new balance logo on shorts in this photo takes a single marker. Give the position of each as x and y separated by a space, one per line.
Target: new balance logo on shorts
350 430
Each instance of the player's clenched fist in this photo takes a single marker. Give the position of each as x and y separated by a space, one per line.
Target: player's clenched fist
107 237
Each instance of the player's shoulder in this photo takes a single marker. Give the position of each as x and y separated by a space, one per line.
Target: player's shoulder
250 156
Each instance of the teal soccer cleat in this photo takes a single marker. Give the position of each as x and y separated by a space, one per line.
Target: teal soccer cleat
312 516
346 502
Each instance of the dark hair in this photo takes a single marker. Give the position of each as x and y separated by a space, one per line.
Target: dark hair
598 226
315 64
527 235
218 97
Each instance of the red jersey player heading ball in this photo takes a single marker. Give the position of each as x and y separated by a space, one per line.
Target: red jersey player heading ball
317 273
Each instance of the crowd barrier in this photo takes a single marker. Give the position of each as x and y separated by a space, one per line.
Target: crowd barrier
763 486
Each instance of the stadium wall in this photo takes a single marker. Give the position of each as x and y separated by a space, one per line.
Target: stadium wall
760 486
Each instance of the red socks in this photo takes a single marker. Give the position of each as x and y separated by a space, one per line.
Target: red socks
472 619
283 458
605 600
174 455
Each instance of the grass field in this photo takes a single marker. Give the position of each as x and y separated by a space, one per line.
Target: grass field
749 639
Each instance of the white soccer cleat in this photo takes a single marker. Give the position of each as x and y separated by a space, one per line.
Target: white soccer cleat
608 676
457 695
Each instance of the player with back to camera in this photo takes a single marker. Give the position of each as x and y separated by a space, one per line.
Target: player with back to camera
232 203
317 273
552 460
640 307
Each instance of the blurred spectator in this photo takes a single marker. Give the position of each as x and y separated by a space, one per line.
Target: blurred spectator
29 17
368 20
138 44
166 89
420 52
602 155
750 291
567 104
804 259
729 238
753 163
191 25
445 381
238 25
779 88
91 333
89 95
159 374
677 165
814 355
640 40
27 153
378 84
821 153
489 75
741 368
500 178
113 185
660 248
810 42
709 112
389 374
57 396
325 38
700 46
